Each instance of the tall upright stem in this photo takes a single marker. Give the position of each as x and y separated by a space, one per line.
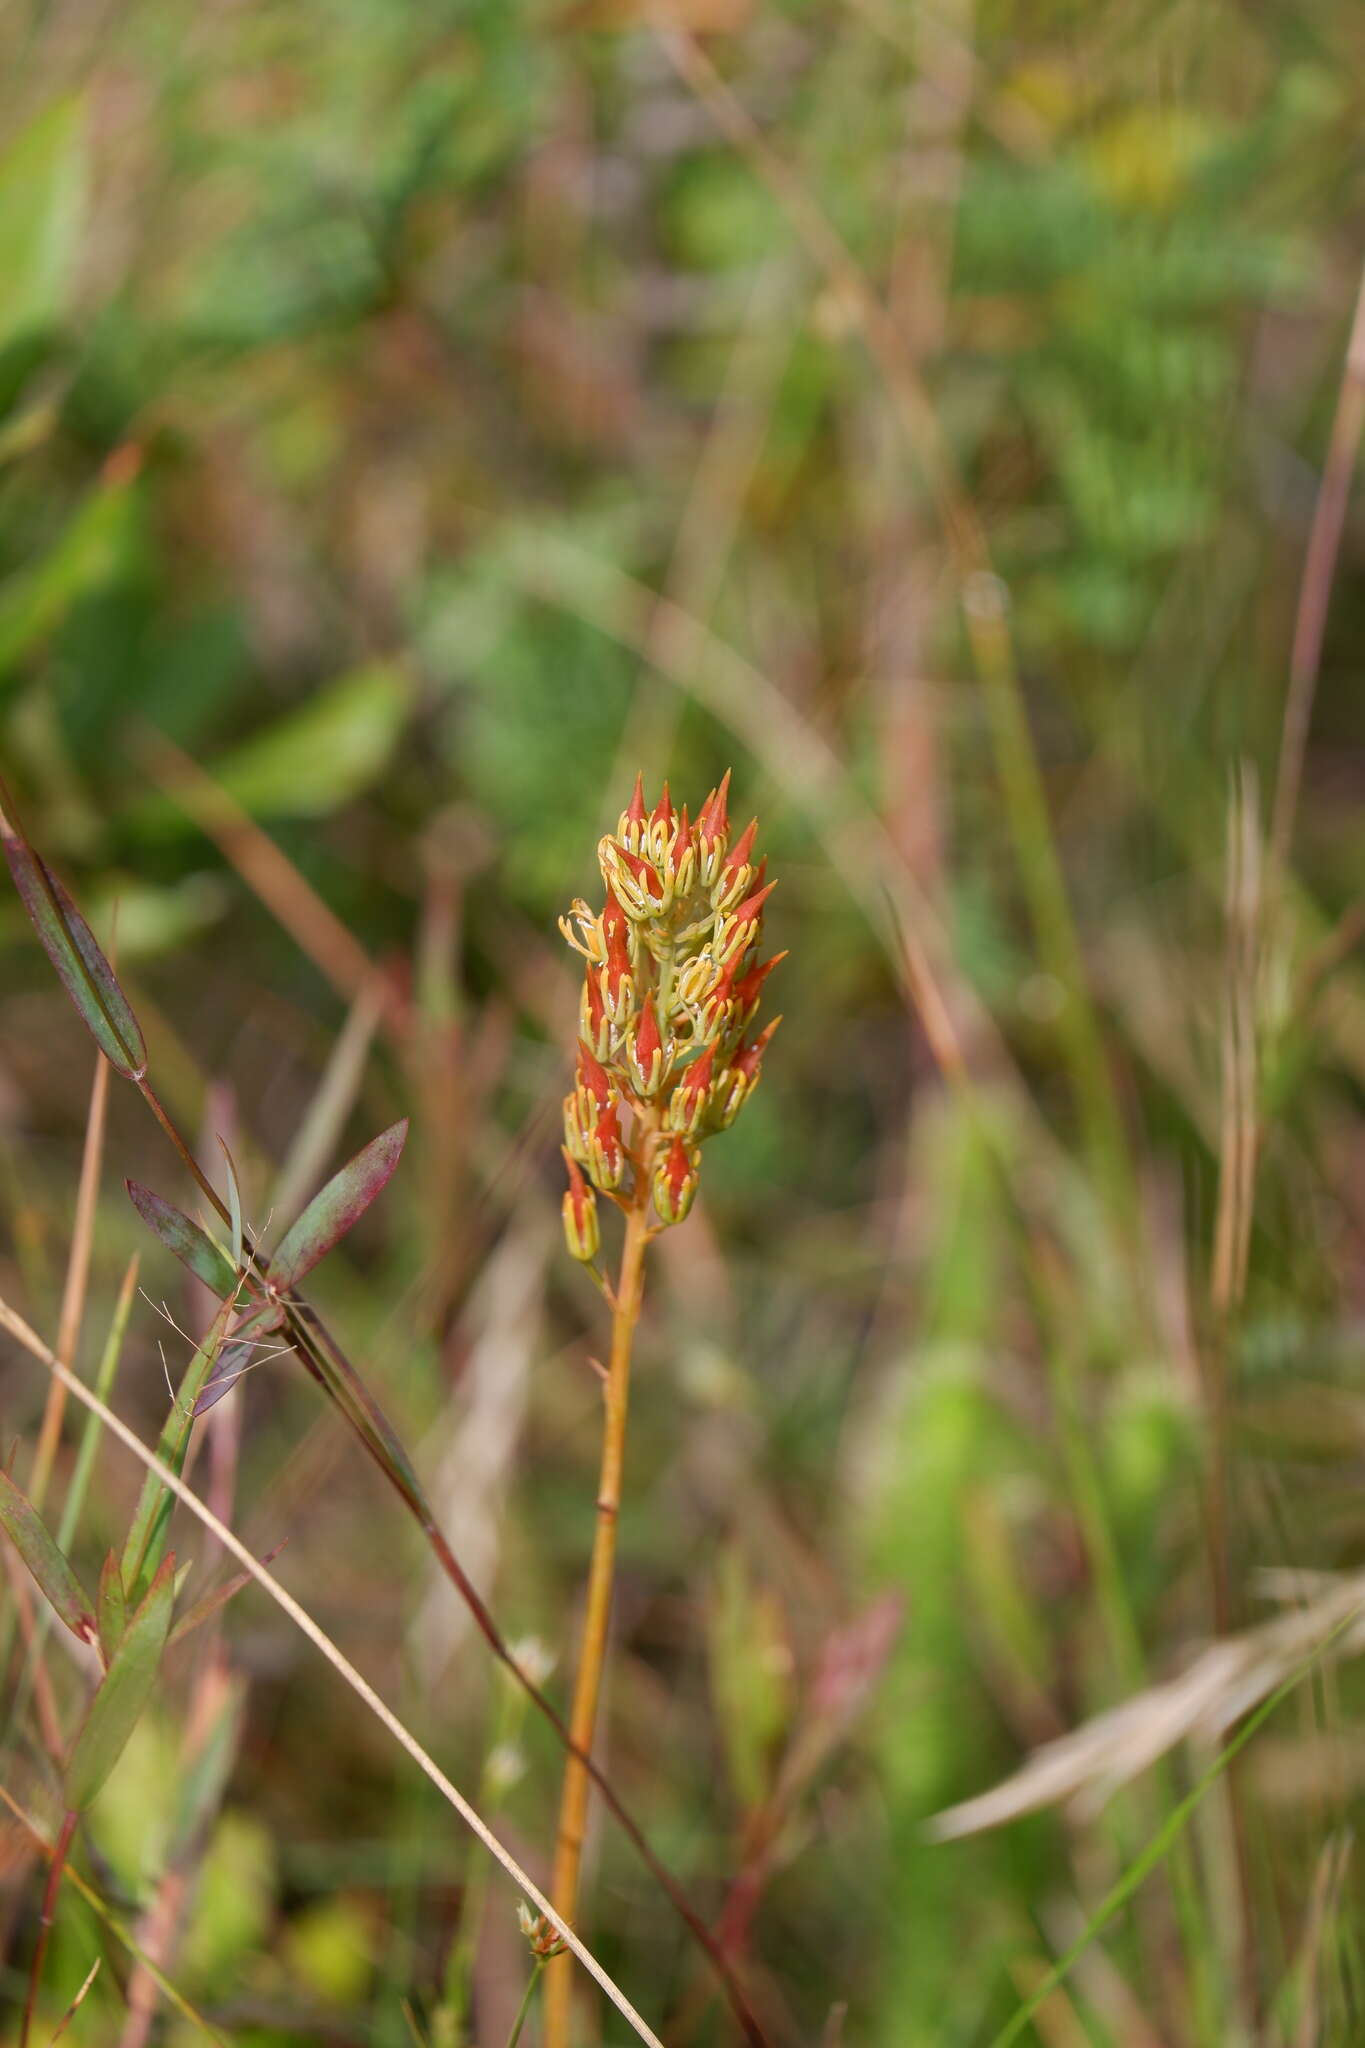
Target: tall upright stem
573 1805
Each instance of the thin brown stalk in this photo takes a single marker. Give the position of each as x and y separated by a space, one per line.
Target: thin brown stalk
1315 588
573 1807
49 1913
77 1279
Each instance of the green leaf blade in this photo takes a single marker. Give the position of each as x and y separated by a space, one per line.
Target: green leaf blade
75 952
338 1206
127 1685
204 1256
51 1572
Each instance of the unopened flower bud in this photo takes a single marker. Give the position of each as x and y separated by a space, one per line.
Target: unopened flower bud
675 1181
575 1129
695 981
645 1051
636 885
741 1078
606 1151
595 1085
687 1103
739 930
660 833
680 862
634 820
713 833
592 1015
616 982
735 875
579 1209
749 988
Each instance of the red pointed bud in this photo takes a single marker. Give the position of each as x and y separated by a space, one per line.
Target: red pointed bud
617 981
733 881
634 818
575 1131
674 1183
738 1083
739 930
592 1015
593 1079
606 1151
750 987
582 1233
645 1051
713 824
687 1103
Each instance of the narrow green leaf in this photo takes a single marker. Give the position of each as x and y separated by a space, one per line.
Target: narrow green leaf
205 1609
146 1538
123 1693
112 1608
72 948
312 760
338 1206
42 199
237 1357
194 1247
234 1203
37 1546
88 555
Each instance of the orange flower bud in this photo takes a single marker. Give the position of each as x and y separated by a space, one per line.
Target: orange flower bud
645 1051
582 1233
606 1151
739 930
687 1103
575 1132
713 833
735 874
633 822
674 1183
592 1015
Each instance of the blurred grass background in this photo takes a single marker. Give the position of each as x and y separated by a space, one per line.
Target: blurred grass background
421 419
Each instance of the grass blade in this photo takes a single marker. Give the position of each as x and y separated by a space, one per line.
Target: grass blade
125 1690
37 1546
338 1207
74 951
194 1247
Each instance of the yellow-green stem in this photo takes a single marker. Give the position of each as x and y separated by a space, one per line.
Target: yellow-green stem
573 1806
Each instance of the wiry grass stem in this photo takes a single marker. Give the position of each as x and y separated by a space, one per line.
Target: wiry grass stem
573 1806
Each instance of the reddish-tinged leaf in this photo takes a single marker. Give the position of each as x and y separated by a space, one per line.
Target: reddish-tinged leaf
205 1609
194 1247
237 1357
74 951
111 1608
338 1206
124 1691
37 1546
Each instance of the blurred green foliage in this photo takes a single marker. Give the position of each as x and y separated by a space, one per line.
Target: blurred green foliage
426 417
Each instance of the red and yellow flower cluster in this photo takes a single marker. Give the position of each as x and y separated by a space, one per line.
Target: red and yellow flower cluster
672 986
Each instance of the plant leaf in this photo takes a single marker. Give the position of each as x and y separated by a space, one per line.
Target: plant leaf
37 1546
194 1247
147 1536
205 1609
338 1206
72 948
111 1608
42 199
234 1203
235 1358
123 1693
